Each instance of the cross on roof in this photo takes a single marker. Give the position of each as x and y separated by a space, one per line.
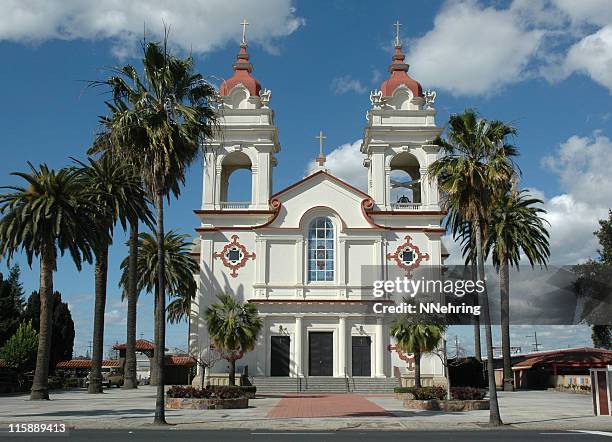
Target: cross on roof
321 157
398 42
244 24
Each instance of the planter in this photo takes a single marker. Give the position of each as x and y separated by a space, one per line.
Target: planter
206 404
452 405
404 396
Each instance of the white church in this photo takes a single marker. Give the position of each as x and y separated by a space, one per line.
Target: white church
299 254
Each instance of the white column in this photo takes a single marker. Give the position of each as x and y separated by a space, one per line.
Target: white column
297 345
342 345
380 351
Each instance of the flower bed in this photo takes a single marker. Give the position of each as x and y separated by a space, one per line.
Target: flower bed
578 389
216 398
444 405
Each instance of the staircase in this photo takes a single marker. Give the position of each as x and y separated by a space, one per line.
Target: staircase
324 384
373 385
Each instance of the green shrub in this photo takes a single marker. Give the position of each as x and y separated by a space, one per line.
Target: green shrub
428 393
55 382
220 392
248 388
403 389
70 383
467 393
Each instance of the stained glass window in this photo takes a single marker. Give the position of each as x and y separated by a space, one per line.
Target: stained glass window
321 250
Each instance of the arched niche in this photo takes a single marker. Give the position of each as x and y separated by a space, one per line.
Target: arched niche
401 99
405 179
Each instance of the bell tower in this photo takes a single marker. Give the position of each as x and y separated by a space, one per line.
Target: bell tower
246 139
399 139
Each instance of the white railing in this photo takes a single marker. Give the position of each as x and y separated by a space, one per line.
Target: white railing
235 205
406 206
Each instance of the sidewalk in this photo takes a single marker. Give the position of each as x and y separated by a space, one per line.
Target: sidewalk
118 408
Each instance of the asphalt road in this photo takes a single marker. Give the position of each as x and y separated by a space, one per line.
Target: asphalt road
303 436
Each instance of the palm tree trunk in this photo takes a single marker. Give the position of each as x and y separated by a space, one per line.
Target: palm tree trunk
232 373
40 387
494 416
160 313
477 344
504 290
154 373
101 269
417 369
130 380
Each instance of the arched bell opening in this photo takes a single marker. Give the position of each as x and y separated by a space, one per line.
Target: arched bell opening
236 181
405 180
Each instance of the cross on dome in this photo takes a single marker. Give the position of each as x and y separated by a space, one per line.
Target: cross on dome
321 157
244 24
398 42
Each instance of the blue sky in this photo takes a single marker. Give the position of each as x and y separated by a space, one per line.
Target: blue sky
544 65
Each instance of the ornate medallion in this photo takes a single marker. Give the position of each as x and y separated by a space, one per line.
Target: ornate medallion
408 256
234 256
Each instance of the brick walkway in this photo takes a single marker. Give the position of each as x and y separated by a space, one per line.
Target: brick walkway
326 405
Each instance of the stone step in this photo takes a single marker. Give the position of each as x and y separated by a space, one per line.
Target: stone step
324 385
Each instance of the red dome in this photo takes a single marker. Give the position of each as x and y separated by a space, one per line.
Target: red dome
399 76
242 74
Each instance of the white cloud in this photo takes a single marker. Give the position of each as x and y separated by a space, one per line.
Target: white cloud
582 165
474 50
592 55
346 83
346 163
596 12
196 25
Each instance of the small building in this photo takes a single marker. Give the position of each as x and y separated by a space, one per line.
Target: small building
80 367
558 368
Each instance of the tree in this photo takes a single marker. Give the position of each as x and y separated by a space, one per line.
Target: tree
594 287
414 335
117 193
233 327
180 270
19 352
158 123
475 167
11 304
47 217
62 327
516 229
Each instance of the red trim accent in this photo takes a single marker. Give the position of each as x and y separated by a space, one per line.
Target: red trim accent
409 212
368 204
409 360
417 262
274 203
233 212
234 244
321 172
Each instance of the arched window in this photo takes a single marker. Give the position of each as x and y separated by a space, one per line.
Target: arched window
321 250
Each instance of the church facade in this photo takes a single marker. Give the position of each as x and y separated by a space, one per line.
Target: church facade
299 254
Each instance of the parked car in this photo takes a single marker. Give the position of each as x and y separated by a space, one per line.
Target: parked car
110 377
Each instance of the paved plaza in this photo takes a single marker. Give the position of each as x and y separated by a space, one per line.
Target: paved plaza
118 408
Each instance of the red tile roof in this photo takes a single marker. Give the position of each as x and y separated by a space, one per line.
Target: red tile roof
573 357
180 360
141 344
86 363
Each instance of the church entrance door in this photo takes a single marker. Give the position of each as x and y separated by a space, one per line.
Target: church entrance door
321 354
279 355
361 361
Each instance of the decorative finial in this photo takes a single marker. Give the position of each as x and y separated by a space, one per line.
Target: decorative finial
244 24
398 42
321 157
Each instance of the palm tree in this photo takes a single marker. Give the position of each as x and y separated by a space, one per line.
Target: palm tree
416 337
48 216
516 228
475 167
118 195
158 122
180 270
233 328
